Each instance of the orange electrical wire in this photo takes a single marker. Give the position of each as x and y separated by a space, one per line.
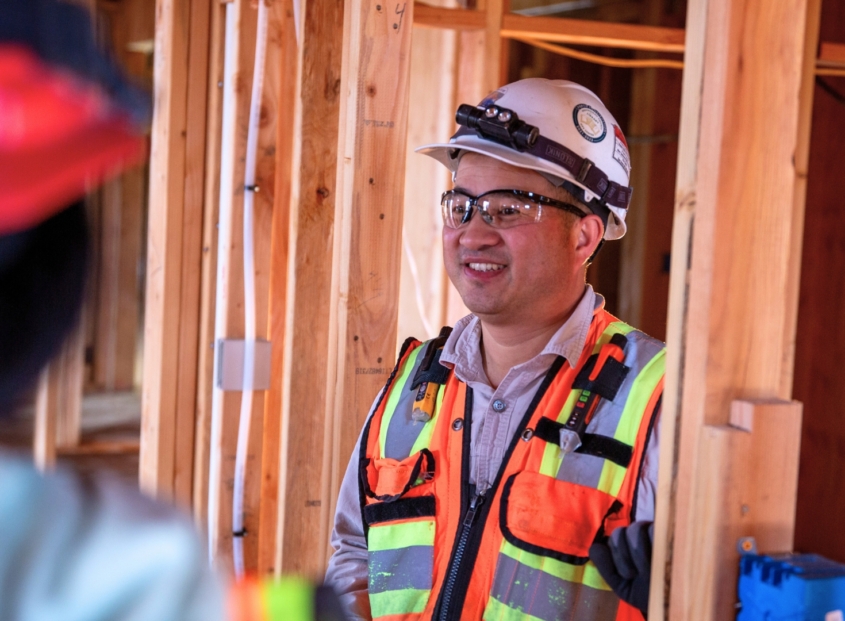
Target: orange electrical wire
625 63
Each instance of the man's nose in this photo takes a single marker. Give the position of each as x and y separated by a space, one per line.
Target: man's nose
477 234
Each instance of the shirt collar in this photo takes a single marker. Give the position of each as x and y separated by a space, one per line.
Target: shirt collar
462 348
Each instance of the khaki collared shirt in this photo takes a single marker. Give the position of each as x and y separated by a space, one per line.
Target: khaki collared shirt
496 413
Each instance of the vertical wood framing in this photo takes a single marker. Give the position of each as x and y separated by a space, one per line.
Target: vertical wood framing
47 406
116 332
205 357
376 68
241 24
58 402
735 261
285 39
173 249
304 390
493 46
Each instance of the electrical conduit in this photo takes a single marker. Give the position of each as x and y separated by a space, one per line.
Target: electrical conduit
225 228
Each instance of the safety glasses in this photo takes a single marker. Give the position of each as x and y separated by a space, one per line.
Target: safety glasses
501 209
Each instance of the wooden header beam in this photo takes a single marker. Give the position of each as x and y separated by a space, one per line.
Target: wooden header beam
560 30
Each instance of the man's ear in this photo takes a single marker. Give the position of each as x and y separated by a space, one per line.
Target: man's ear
589 230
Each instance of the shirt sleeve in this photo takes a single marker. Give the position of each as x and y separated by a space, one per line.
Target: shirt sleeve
347 571
647 487
76 547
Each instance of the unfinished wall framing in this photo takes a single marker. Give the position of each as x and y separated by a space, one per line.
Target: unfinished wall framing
335 124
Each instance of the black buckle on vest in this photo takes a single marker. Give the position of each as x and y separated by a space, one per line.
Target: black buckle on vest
430 369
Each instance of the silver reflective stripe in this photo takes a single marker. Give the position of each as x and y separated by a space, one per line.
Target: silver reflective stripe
402 568
402 431
640 350
581 469
587 469
547 597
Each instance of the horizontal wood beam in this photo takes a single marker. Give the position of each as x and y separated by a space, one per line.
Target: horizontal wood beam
561 30
832 55
429 16
601 34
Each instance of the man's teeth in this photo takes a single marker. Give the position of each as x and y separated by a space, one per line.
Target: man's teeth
485 267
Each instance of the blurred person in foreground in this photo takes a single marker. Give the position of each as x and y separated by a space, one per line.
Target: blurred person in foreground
75 547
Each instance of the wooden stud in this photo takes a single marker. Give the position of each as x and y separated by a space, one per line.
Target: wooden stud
229 317
492 43
228 303
303 317
802 161
377 43
724 347
174 251
47 404
205 357
117 317
58 401
285 40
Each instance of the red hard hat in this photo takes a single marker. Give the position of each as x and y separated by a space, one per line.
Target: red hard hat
60 136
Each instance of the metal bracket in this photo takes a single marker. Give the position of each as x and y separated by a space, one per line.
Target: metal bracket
229 370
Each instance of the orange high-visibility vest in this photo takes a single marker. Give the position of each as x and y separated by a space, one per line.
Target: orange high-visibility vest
520 551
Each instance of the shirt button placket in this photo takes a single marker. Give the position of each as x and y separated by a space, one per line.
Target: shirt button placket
499 405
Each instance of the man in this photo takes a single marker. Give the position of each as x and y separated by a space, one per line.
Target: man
508 468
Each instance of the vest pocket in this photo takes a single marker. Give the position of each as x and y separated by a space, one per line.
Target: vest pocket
388 479
548 517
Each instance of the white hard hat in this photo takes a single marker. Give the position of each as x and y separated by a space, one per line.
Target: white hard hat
558 128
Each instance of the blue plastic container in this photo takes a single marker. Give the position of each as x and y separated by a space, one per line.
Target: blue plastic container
791 587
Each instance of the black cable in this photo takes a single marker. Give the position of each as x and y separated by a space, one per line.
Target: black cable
830 90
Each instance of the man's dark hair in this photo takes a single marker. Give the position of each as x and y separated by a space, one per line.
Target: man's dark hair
42 279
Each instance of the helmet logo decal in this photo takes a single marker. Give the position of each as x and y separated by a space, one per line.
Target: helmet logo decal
589 123
620 150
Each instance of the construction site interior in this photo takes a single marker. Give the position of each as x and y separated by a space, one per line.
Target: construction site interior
734 111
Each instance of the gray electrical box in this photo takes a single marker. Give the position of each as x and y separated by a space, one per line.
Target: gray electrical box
229 372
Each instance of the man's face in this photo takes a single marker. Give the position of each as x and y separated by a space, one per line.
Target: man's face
526 273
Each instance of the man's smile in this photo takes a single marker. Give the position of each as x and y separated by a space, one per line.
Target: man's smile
485 267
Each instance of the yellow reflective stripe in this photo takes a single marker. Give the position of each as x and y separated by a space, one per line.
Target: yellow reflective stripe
405 534
617 327
290 598
424 439
405 601
613 475
592 578
393 398
553 456
582 574
497 611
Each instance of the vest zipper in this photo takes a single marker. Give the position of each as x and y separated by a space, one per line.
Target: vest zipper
460 548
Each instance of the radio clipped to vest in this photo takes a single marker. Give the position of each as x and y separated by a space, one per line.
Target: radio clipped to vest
600 378
428 379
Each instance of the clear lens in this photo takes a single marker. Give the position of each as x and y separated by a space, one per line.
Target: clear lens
457 209
500 210
504 210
